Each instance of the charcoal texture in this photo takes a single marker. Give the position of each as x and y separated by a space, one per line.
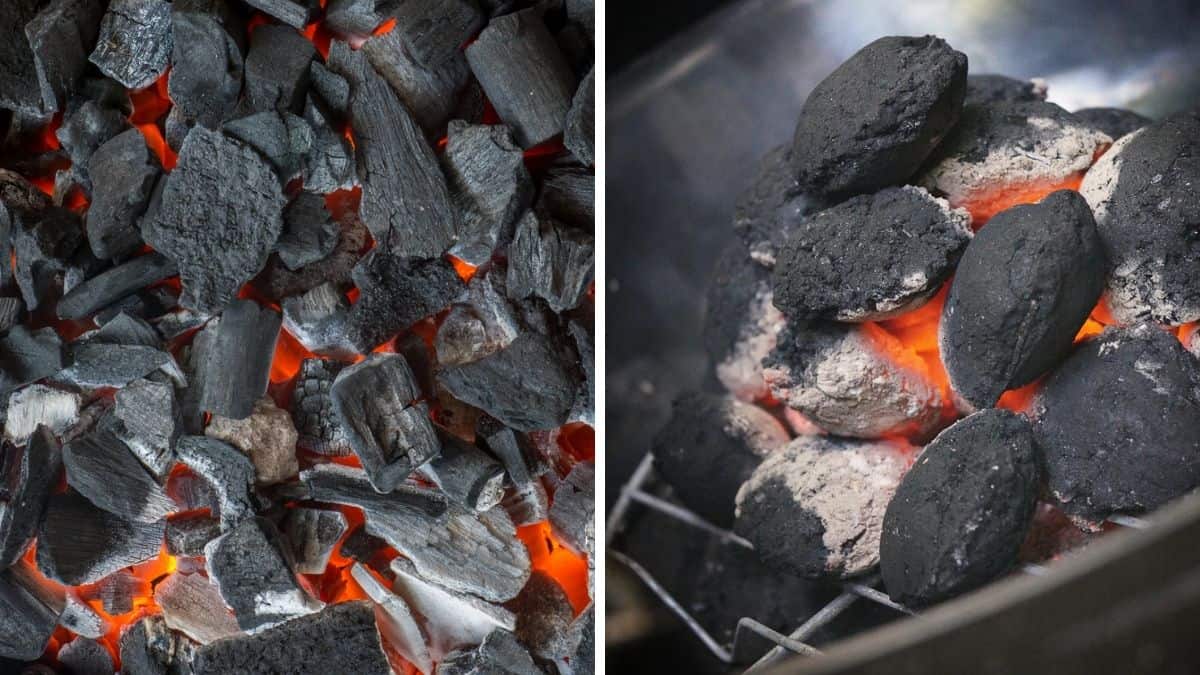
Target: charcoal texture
312 409
312 534
295 13
1141 381
27 355
466 474
452 618
146 418
267 436
277 281
114 284
79 543
187 534
1024 287
353 17
309 231
283 139
397 623
741 322
430 93
318 320
550 261
45 243
85 656
500 652
27 477
125 172
569 196
435 30
329 164
1116 122
580 134
572 513
135 43
237 365
37 405
874 120
104 470
544 616
227 471
480 324
192 605
149 647
870 257
61 37
584 332
277 69
27 615
206 75
96 364
85 127
960 514
993 88
82 619
19 89
397 292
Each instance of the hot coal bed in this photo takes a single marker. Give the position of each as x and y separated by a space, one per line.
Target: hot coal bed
954 335
296 336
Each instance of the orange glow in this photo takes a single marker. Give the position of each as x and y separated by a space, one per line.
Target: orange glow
579 441
385 27
152 103
465 269
158 145
911 340
44 183
1020 400
255 21
319 36
1088 329
1185 332
983 206
541 156
561 563
47 140
289 353
343 203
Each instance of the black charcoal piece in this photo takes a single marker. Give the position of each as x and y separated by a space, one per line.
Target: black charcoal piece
312 409
490 185
147 304
710 447
311 534
309 232
27 477
959 516
192 605
741 323
363 547
110 286
353 17
123 329
85 656
295 13
28 614
1138 380
528 385
79 543
1024 287
147 419
330 91
135 43
524 75
18 194
329 164
376 402
579 136
19 89
573 507
84 129
343 638
318 320
430 93
37 405
27 355
105 471
44 244
397 623
500 652
11 310
550 261
874 120
220 216
397 292
81 618
870 257
277 69
583 658
249 566
283 139
98 364
994 88
569 196
815 507
277 281
452 618
544 615
238 363
405 201
61 37
466 474
528 502
205 79
1116 122
435 30
1143 194
225 469
174 324
453 416
149 647
584 408
188 533
476 553
267 436
124 172
582 12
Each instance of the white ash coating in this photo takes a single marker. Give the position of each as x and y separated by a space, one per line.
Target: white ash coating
742 372
38 404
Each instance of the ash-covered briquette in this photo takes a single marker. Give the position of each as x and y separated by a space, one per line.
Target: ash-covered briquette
19 89
960 514
550 261
405 201
1140 381
206 75
114 284
188 533
283 139
870 257
234 361
312 409
295 13
1024 287
873 121
85 127
28 355
135 42
1006 144
544 616
61 37
524 75
710 447
500 652
466 474
435 30
430 92
490 185
29 612
396 292
741 322
853 380
79 543
149 647
277 70
45 243
1116 122
311 535
309 231
277 281
123 173
192 605
994 88
816 506
85 656
528 502
1143 192
37 405
105 471
27 477
568 196
579 136
397 623
146 418
226 470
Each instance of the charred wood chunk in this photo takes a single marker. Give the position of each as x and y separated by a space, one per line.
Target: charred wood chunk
453 619
114 284
81 618
544 616
528 502
741 323
149 304
192 605
375 401
187 534
870 257
905 92
283 139
1134 379
524 75
277 69
550 261
330 92
150 647
482 323
27 477
997 88
1142 192
467 474
329 164
397 292
19 90
206 77
319 320
1025 286
123 172
277 281
815 507
397 623
500 652
959 516
453 416
86 657
18 195
710 447
238 363
44 243
79 543
98 364
405 201
29 614
490 185
580 134
135 43
476 553
37 405
435 30
430 93
1115 122
312 409
362 547
84 129
27 355
267 436
122 329
295 13
309 231
584 408
252 572
342 638
61 37
104 470
226 470
221 214
357 18
569 196
572 511
311 534
147 419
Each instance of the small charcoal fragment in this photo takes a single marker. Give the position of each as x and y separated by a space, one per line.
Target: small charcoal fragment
82 619
330 91
466 474
226 470
188 533
524 75
582 12
579 136
309 232
116 591
569 196
135 43
45 244
873 121
710 447
318 320
147 419
105 470
123 172
84 129
267 436
816 506
960 514
61 37
529 502
500 652
430 93
396 621
295 13
19 89
277 69
312 409
79 543
85 656
312 534
108 287
584 408
122 329
544 615
28 614
995 88
481 324
329 164
192 605
283 139
397 292
27 477
100 364
37 405
205 81
149 647
741 323
277 281
238 362
1116 122
583 658
27 355
571 513
453 620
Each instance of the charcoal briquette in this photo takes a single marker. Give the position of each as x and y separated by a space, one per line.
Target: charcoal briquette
395 293
741 322
135 42
27 355
28 614
276 69
995 88
283 139
29 475
205 79
397 623
569 196
37 405
79 543
318 319
311 535
295 13
579 136
192 605
312 409
430 93
238 362
500 652
227 471
309 231
85 656
188 533
550 261
147 418
105 471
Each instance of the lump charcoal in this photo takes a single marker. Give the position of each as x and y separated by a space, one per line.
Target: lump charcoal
453 416
710 447
329 164
376 402
27 477
469 552
106 472
853 380
277 281
124 172
188 533
283 139
584 408
267 436
99 364
466 474
959 516
28 614
544 615
239 362
295 13
815 507
174 324
221 215
405 201
435 30
37 405
524 75
18 195
529 502
453 620
61 37
397 624
997 88
85 656
318 320
1023 289
122 329
7 281
1115 122
81 618
312 409
343 638
311 534
480 324
226 470
352 17
277 69
579 136
79 543
135 43
27 355
397 292
500 652
149 304
430 93
330 91
149 647
583 658
573 507
192 605
252 572
44 244
871 257
1142 192
569 196
147 420
11 310
873 121
19 90
205 79
84 129
309 231
490 185
1139 380
741 322
114 284
89 417
550 261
